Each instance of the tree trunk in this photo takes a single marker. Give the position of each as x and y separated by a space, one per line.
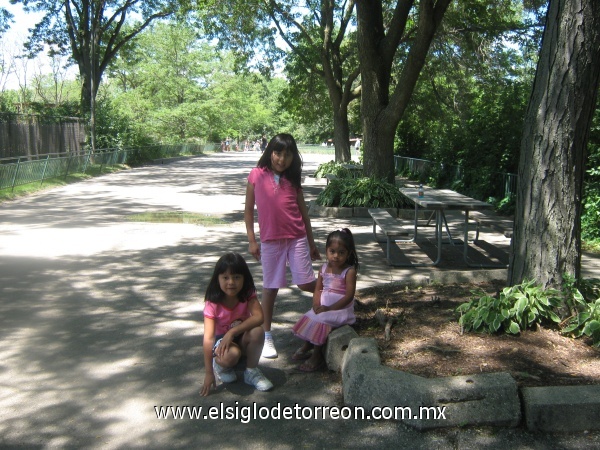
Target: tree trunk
547 232
381 110
378 138
341 134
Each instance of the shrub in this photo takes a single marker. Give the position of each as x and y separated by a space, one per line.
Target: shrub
335 168
585 318
365 192
586 322
513 310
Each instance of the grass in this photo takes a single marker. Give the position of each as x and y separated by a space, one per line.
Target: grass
24 190
176 217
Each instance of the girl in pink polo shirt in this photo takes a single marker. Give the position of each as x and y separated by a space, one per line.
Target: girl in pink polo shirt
232 325
286 238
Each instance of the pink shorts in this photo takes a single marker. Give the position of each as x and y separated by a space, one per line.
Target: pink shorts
275 255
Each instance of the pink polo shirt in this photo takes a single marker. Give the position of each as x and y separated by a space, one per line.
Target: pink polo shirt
277 204
226 318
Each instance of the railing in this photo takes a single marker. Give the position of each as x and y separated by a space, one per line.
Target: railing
417 166
30 169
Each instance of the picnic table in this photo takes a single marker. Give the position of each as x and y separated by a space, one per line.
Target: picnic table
355 169
439 201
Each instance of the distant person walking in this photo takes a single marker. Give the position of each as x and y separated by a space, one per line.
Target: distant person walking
286 237
263 143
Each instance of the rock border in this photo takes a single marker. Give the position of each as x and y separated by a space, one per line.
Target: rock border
481 399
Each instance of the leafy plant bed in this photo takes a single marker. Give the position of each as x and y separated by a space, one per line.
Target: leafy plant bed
427 340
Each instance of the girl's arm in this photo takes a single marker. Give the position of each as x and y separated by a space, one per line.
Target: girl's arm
207 345
346 299
253 246
317 293
314 251
255 320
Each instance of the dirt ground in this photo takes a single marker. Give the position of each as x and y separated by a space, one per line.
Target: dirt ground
426 339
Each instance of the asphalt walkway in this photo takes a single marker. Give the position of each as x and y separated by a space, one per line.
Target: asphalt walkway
100 322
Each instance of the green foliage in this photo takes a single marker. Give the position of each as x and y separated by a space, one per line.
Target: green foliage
590 218
585 308
505 206
115 129
361 192
468 105
513 310
333 167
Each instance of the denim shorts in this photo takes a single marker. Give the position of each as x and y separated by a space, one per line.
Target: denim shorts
219 338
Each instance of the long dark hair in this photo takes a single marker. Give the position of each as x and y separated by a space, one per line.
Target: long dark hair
345 236
236 264
278 143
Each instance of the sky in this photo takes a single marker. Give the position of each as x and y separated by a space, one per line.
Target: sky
13 39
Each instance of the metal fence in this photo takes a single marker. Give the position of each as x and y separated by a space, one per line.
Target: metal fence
420 167
37 168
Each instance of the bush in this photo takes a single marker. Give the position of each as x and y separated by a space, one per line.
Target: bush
334 168
515 309
585 318
586 322
365 192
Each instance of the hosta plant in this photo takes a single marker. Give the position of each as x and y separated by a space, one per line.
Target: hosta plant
365 192
514 309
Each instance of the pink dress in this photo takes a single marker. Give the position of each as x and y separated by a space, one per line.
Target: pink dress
315 328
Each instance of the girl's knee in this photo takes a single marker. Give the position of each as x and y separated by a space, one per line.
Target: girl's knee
231 357
256 334
253 337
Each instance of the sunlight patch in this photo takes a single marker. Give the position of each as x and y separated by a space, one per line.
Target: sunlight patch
176 217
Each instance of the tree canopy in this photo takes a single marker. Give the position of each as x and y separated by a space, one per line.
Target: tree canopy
316 46
92 32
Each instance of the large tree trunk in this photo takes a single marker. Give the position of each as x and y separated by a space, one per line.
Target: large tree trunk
381 111
547 236
378 135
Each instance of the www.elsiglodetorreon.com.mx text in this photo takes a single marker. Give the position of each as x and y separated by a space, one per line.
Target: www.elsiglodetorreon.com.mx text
248 413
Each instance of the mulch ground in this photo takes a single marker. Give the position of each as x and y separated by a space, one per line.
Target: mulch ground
426 339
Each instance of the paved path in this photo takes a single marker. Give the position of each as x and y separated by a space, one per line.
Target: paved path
100 321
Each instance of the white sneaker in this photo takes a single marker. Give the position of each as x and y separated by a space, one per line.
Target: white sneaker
268 350
226 375
255 377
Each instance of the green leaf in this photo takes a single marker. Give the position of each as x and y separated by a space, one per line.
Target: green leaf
593 326
520 305
553 317
497 323
570 328
514 328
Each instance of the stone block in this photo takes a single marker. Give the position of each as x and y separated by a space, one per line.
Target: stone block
562 408
337 344
329 211
482 399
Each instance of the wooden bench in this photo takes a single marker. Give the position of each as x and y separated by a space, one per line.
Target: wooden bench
498 223
390 226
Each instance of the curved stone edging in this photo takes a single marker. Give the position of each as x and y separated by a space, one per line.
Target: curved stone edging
480 399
